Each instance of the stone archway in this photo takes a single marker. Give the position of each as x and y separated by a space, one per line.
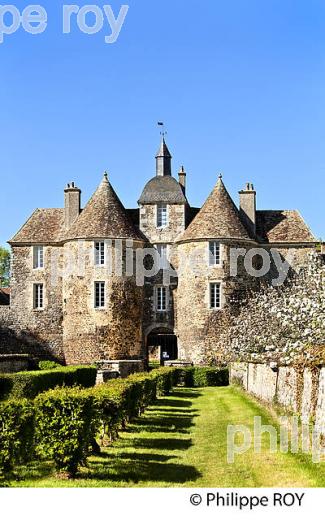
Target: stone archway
162 345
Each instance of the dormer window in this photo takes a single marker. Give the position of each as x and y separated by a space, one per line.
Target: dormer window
99 250
38 257
214 253
162 216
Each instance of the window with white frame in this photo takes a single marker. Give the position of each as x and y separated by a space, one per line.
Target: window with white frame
161 299
100 295
215 295
214 253
163 255
99 253
162 217
38 257
38 296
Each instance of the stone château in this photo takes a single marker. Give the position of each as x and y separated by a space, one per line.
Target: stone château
66 303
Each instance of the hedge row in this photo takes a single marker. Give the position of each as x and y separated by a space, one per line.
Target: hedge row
61 424
30 384
198 377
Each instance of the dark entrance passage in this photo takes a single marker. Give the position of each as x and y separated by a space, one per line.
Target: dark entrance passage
162 345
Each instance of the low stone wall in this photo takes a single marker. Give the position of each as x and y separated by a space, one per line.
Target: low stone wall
300 391
14 363
239 374
123 368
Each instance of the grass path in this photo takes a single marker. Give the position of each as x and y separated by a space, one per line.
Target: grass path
182 441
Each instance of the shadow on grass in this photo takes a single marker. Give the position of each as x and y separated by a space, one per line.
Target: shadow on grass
146 452
143 470
172 416
146 443
163 423
34 471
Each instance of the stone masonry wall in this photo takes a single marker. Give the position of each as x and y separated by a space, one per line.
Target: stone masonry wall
24 329
148 223
69 328
91 334
198 326
262 381
300 391
153 319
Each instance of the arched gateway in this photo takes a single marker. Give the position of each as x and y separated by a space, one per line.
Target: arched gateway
162 345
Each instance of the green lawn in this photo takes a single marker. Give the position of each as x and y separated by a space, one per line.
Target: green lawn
182 441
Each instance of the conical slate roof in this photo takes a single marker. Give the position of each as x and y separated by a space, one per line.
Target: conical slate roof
103 217
218 218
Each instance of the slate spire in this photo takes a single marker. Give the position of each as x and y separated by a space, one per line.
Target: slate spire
163 160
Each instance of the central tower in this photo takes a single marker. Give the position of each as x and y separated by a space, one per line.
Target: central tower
163 160
163 216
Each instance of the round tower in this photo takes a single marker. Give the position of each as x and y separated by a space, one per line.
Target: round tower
205 282
102 304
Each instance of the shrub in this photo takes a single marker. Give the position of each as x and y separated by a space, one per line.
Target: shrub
30 384
112 402
196 377
48 365
66 421
166 379
121 400
16 434
144 390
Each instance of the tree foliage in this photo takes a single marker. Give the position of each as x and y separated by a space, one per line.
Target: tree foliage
4 267
282 324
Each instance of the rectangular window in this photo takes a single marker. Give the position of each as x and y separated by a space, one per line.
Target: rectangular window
214 253
100 295
38 257
161 299
162 219
38 296
99 253
162 251
215 295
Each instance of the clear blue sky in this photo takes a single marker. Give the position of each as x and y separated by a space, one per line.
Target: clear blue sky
239 83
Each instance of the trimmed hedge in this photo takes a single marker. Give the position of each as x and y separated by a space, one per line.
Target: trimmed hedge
199 377
30 384
63 423
166 378
48 365
16 434
66 421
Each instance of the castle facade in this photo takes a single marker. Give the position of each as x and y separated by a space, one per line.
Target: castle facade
76 291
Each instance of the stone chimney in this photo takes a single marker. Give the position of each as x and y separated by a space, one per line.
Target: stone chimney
182 179
72 204
247 207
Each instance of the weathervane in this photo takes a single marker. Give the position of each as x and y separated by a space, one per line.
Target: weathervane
163 132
